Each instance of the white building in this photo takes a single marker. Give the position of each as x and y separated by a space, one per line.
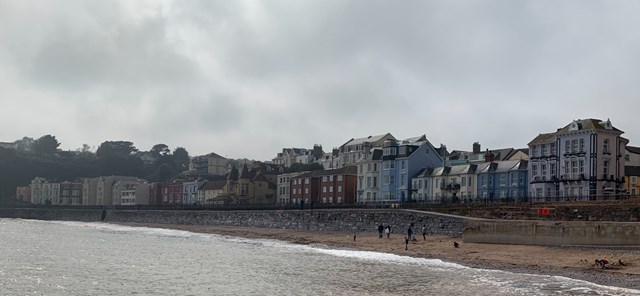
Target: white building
581 161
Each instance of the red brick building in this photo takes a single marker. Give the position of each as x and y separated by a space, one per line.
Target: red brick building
70 193
23 193
337 186
165 193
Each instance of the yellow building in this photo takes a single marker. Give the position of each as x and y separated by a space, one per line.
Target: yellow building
631 180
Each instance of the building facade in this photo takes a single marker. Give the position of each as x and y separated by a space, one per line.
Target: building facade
400 162
369 178
581 161
356 150
44 192
503 181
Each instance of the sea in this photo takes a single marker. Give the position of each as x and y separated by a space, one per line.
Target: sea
80 258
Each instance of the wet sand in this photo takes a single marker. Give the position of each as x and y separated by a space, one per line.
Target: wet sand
573 262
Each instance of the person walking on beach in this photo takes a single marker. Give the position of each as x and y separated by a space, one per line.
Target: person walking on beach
410 233
406 243
424 231
388 230
380 230
354 236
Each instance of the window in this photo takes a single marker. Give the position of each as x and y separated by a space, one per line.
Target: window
404 164
605 168
368 182
605 147
331 178
392 180
490 181
375 181
402 150
324 179
339 178
503 180
464 181
581 145
375 167
339 188
552 149
324 189
534 170
574 168
634 180
306 191
437 183
484 180
306 181
330 188
567 169
574 147
567 146
581 166
543 170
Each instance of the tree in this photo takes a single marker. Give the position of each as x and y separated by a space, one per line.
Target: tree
181 159
122 149
46 145
160 150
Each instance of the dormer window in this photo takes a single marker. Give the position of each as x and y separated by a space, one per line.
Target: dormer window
573 126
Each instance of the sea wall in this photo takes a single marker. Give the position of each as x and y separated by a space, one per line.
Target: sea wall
552 233
326 220
87 215
473 230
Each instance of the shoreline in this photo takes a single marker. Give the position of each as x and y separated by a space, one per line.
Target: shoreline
571 262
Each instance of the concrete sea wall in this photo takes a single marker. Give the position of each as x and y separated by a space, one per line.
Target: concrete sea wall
474 230
553 233
327 220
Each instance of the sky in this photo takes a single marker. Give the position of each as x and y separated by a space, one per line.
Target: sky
245 79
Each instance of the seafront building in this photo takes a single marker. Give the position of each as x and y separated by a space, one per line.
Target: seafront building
44 192
582 161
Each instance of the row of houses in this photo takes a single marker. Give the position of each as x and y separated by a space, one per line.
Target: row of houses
585 160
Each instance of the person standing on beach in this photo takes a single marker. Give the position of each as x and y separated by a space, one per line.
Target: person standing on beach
406 243
380 230
354 236
424 231
410 233
388 230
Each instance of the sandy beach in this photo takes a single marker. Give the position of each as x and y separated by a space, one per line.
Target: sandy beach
573 262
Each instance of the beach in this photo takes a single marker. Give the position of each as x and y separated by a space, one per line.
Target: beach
572 262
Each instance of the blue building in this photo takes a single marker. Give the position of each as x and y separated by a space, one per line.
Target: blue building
400 162
503 181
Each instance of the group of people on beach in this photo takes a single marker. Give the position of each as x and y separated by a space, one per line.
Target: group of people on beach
386 230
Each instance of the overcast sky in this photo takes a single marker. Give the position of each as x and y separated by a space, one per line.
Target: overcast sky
247 78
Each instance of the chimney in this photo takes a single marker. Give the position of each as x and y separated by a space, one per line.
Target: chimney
476 148
317 151
489 157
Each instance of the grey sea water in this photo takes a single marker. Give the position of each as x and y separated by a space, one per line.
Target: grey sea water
76 258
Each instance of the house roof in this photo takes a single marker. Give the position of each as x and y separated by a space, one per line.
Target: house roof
214 185
366 139
588 124
632 170
504 166
633 149
543 138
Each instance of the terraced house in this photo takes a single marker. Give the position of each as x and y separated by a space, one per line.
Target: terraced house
582 161
400 162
